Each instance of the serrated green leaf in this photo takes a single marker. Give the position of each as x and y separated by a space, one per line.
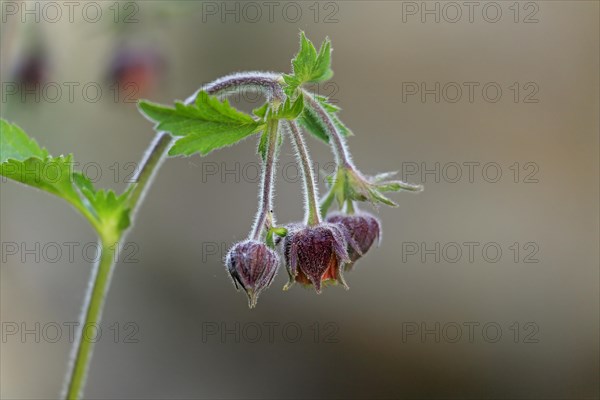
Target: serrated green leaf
290 110
310 122
15 144
261 111
204 126
308 65
50 174
324 101
262 145
25 162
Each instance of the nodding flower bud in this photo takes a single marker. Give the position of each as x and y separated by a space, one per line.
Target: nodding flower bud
361 229
314 254
252 265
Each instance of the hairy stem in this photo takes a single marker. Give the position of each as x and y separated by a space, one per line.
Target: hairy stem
101 274
313 215
265 82
338 144
153 159
99 283
94 303
266 185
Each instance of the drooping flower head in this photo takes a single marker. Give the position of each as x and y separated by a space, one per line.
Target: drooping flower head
315 254
361 229
252 265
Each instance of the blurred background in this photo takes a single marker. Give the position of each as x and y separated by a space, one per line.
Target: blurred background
486 285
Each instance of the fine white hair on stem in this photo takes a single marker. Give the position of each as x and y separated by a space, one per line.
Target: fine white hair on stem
311 191
336 139
265 200
256 81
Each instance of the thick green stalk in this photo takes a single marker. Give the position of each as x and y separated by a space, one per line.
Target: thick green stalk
94 303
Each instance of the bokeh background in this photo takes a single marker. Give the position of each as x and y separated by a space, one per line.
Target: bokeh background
527 329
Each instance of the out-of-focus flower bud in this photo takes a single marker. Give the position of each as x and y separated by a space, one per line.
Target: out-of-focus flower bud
314 254
361 229
252 265
32 69
135 71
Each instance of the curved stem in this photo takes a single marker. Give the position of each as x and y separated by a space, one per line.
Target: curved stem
266 185
82 350
102 271
313 215
338 144
264 82
94 301
152 161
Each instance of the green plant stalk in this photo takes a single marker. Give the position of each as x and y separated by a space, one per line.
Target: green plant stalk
109 241
153 160
100 279
313 215
102 271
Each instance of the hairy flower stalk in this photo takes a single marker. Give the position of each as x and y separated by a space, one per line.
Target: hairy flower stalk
313 215
264 216
338 144
252 264
314 252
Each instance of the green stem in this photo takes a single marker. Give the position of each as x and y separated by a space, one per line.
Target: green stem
94 303
313 215
102 272
153 159
350 207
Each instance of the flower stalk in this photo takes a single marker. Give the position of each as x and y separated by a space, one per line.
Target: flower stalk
313 214
264 217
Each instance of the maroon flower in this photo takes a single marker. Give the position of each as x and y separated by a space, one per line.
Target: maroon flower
361 229
314 254
252 265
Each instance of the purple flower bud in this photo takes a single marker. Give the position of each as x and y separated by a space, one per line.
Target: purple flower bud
314 254
252 265
361 229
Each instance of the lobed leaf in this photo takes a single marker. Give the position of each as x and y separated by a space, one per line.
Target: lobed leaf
308 65
24 161
206 125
